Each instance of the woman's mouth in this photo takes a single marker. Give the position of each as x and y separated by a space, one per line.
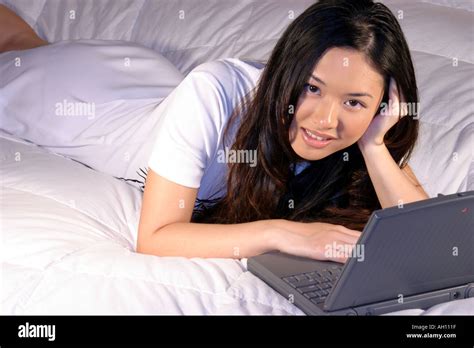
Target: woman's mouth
314 140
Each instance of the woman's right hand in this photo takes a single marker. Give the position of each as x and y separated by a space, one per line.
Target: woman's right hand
316 240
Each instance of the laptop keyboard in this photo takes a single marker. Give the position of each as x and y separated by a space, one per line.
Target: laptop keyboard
315 285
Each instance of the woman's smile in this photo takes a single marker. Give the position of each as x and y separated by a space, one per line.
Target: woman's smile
312 139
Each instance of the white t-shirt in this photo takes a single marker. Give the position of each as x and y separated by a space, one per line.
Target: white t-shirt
192 120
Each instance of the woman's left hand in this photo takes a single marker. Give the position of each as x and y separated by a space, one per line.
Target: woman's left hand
389 115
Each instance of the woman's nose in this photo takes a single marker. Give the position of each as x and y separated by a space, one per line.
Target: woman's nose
326 115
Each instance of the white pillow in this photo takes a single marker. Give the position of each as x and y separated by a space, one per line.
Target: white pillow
90 100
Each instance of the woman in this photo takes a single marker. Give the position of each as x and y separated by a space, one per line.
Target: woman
327 76
333 71
15 33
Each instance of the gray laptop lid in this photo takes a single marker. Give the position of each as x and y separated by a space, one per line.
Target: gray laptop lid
424 246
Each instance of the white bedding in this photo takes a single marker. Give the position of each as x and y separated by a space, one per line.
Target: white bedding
69 235
68 248
69 232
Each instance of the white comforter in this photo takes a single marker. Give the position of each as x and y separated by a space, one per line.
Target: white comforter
69 236
69 232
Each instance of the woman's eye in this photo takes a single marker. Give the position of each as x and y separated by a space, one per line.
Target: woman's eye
311 89
354 104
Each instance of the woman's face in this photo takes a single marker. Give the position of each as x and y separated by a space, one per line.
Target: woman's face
339 101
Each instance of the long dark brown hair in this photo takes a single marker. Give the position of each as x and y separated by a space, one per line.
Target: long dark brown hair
336 189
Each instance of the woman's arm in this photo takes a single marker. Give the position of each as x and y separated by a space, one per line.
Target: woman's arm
315 240
210 240
165 230
392 184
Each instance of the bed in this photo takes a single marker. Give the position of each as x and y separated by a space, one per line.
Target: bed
69 227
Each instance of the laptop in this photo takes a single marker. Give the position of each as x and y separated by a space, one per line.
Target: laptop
413 256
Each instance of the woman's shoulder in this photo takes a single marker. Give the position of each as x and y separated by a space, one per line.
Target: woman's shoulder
231 73
226 65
